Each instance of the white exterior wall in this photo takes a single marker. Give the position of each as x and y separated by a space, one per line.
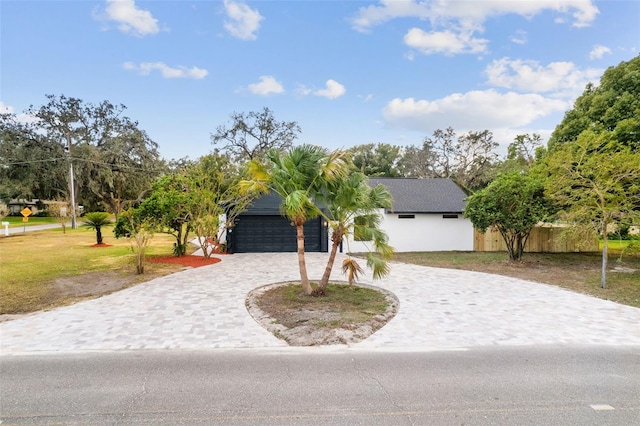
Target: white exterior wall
426 232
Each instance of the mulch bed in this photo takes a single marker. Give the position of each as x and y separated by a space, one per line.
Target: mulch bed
187 260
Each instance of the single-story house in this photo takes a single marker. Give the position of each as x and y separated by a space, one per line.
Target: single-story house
426 216
15 206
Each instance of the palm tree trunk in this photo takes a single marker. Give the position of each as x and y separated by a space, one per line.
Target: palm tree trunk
336 238
99 234
304 279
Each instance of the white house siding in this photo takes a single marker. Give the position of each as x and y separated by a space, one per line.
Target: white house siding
426 232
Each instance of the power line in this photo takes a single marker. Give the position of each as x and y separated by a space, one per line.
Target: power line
86 160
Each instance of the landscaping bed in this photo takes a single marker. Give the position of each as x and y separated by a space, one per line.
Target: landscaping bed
345 315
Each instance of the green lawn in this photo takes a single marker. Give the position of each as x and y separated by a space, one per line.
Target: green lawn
32 261
618 246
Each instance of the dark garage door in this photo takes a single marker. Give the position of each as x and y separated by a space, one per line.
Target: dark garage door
269 233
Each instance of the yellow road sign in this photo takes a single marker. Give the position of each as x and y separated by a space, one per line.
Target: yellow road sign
25 219
26 212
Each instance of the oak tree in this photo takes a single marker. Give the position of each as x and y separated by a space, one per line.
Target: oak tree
251 135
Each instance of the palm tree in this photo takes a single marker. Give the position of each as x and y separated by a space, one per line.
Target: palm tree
297 176
97 220
353 210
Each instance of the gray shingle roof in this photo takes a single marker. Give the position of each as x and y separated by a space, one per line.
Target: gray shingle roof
434 195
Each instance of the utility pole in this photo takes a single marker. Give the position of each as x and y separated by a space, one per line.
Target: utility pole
72 185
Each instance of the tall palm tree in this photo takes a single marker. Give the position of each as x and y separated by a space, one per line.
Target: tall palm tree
352 209
97 220
297 176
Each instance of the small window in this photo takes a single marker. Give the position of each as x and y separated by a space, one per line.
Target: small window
406 216
449 216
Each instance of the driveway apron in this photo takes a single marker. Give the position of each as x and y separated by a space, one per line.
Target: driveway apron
204 308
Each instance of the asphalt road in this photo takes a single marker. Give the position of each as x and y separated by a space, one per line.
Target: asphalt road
543 385
22 229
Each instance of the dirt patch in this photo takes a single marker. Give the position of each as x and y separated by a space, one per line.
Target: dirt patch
317 323
68 290
90 284
101 245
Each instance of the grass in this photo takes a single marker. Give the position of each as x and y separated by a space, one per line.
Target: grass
351 304
618 246
33 261
578 272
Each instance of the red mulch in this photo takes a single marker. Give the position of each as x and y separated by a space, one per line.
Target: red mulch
187 260
101 245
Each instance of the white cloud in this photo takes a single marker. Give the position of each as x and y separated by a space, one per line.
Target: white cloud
445 42
332 90
372 15
598 51
520 37
453 23
472 110
145 68
268 85
558 79
243 21
5 109
20 117
131 19
303 90
467 13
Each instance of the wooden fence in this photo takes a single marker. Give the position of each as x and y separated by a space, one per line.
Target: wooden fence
543 239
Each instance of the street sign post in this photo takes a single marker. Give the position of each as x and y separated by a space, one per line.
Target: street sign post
26 212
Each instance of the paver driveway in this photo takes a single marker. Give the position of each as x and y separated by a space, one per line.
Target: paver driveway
204 308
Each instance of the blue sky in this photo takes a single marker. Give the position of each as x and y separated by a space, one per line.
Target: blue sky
349 72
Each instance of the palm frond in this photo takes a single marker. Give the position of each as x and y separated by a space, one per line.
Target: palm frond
352 269
252 186
379 265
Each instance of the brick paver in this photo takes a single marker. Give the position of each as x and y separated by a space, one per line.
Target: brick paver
204 308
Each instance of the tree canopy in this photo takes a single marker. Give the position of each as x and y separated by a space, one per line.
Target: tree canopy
379 159
613 107
33 165
596 182
218 201
113 160
470 159
513 204
169 208
251 135
593 155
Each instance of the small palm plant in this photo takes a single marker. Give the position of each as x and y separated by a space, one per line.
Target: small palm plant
352 210
96 220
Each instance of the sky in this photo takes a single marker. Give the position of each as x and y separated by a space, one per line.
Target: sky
348 72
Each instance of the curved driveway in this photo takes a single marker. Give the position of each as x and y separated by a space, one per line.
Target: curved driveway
204 308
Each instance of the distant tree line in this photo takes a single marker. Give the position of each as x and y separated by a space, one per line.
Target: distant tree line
111 159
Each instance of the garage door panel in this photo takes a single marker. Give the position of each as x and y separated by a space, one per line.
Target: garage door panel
259 233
